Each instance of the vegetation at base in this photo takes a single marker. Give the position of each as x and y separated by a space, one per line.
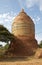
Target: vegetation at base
40 45
3 49
6 46
5 36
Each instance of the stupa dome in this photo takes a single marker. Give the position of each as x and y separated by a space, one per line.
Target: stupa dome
23 26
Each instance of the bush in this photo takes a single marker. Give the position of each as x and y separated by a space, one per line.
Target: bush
40 45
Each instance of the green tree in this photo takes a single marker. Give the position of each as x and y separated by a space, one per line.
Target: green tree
40 45
5 35
6 46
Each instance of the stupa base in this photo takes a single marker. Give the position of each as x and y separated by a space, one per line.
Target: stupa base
22 47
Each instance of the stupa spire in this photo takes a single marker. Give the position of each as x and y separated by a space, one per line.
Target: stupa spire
22 10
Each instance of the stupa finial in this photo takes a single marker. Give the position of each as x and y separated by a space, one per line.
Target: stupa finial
22 10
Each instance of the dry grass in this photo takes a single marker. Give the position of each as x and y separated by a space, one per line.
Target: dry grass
38 53
23 61
27 61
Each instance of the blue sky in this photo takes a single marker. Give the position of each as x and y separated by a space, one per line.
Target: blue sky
10 8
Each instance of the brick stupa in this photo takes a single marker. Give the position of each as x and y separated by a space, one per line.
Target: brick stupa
23 29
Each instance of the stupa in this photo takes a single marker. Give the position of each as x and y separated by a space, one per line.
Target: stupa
23 28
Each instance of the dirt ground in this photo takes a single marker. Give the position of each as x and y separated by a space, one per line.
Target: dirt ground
27 62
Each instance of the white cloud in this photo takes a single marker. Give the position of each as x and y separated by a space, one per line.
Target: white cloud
36 19
6 19
40 5
38 34
0 16
39 37
20 3
30 3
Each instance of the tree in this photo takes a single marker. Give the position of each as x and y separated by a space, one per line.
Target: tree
40 45
6 46
5 35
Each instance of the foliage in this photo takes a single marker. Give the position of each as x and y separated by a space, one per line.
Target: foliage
5 35
40 45
6 46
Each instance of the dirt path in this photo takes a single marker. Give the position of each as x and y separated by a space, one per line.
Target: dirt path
30 62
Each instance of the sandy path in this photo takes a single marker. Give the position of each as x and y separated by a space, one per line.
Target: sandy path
30 62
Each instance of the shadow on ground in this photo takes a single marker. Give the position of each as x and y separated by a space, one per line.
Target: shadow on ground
13 59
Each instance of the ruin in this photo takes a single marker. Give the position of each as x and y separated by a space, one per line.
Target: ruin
24 42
